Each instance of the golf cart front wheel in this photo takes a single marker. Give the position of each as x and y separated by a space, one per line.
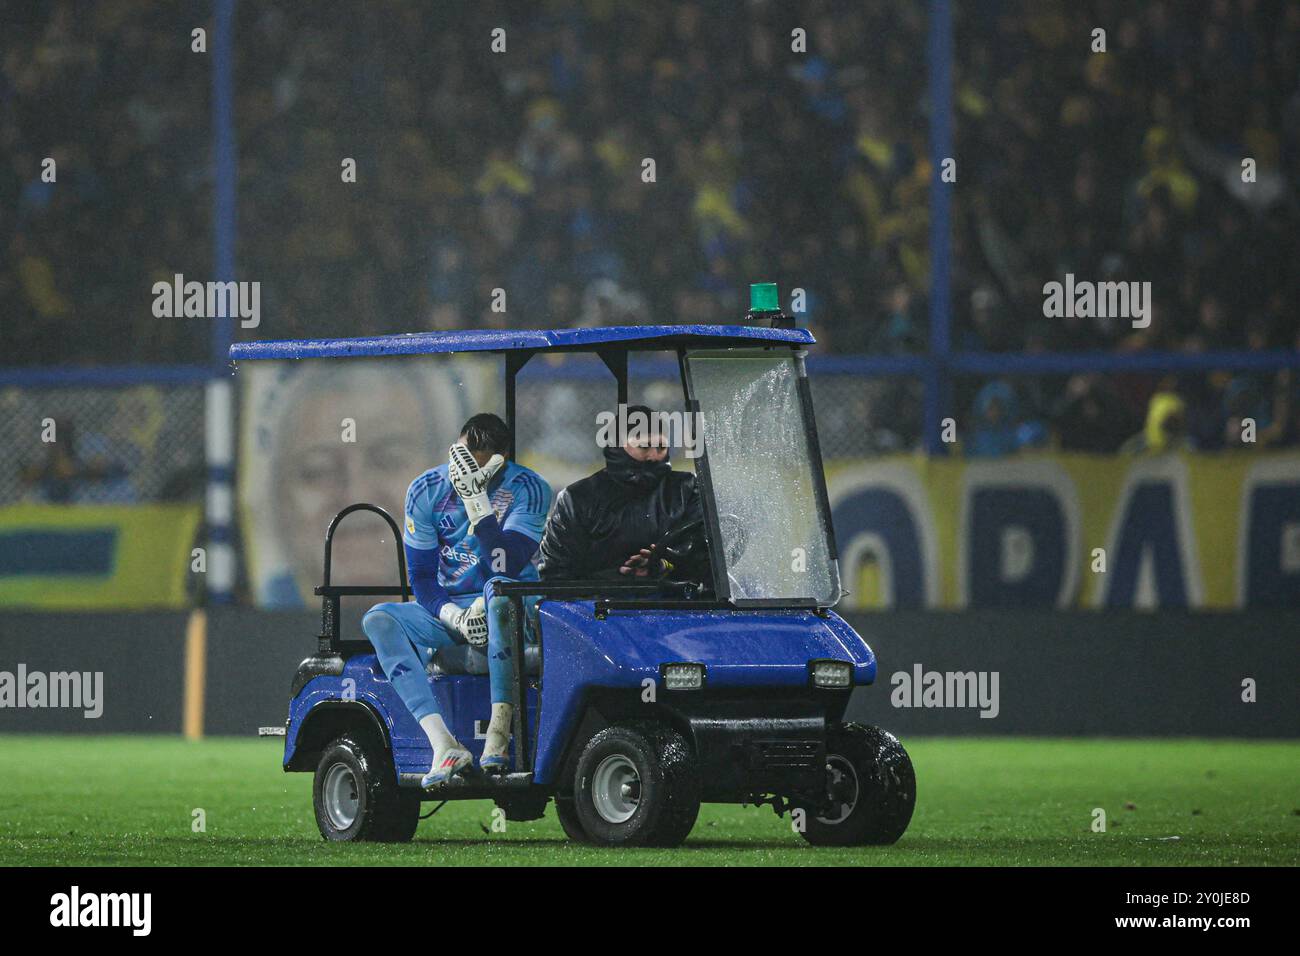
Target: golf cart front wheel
356 796
567 813
870 790
637 785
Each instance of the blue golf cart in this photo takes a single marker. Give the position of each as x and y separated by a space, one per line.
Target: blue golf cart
639 700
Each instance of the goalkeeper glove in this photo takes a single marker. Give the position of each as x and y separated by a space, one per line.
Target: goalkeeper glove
471 481
469 622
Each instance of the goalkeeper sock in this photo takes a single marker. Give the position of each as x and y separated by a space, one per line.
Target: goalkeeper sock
498 731
440 738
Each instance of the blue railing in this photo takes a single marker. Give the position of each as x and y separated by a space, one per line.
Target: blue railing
106 376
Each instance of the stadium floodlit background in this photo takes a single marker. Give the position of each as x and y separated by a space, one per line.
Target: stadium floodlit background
980 453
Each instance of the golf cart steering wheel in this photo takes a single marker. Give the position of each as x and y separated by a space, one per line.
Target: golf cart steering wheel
734 534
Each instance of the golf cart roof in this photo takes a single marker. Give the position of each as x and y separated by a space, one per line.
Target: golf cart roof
616 338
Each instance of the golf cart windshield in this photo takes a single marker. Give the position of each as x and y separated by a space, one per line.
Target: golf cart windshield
764 469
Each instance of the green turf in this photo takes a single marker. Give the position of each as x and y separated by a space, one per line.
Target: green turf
129 800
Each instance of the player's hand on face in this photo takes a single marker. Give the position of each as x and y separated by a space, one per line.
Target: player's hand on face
466 474
471 480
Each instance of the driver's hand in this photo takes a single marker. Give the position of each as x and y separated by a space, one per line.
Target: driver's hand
643 564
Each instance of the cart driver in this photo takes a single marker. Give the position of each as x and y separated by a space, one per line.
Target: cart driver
611 524
473 521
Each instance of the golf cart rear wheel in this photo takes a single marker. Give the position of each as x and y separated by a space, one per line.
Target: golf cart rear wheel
356 796
870 790
637 785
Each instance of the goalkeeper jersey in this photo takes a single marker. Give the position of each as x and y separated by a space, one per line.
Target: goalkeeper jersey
436 521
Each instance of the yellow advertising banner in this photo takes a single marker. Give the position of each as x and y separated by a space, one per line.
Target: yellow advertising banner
80 557
1061 530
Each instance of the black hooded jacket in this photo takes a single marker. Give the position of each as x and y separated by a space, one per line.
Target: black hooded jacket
600 521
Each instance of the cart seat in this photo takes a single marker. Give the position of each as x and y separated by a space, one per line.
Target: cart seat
465 659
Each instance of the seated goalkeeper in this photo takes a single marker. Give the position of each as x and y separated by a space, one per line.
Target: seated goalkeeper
476 520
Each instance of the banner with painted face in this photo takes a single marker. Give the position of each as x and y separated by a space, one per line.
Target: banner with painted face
1069 531
319 435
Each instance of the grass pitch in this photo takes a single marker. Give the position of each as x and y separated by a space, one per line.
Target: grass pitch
132 801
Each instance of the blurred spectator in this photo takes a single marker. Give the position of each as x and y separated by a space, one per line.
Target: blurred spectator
1091 417
1165 429
80 468
998 427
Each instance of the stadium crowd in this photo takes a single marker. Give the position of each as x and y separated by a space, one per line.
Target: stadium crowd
524 170
1128 166
109 94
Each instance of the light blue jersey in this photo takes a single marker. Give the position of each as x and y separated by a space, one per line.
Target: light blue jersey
436 520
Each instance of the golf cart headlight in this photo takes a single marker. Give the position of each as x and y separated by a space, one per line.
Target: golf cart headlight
683 676
832 674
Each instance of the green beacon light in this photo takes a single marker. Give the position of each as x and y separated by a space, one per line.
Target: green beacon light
765 306
763 297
